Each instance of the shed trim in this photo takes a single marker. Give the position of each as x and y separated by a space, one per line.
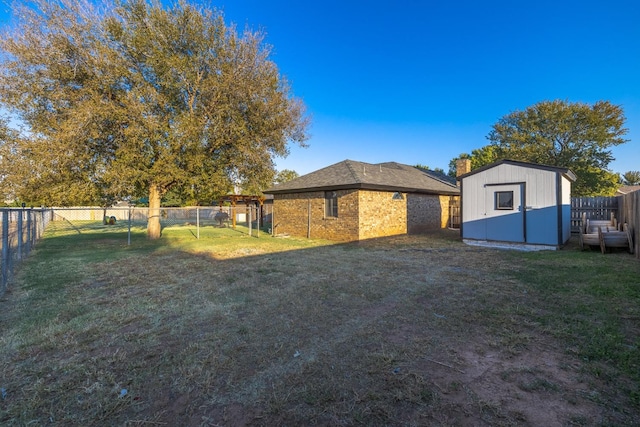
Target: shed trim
559 207
523 196
523 208
566 172
461 210
506 183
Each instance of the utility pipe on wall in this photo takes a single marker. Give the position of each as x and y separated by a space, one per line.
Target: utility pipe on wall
308 218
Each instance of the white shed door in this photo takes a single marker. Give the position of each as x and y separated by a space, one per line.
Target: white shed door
505 212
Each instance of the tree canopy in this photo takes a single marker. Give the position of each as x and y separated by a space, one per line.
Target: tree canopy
285 175
578 136
479 157
631 178
136 99
425 167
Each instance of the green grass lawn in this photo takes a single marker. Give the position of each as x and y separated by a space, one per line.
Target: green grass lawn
236 330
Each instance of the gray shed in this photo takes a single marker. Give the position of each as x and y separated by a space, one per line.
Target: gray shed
517 203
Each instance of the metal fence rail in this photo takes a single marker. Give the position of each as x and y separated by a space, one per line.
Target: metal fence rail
252 220
21 229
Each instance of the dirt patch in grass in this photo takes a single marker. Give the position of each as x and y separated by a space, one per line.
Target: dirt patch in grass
410 330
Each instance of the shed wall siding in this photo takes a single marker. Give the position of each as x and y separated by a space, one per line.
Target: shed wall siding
542 226
540 199
566 210
473 201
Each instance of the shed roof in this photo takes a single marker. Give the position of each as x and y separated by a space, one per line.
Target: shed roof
566 172
390 176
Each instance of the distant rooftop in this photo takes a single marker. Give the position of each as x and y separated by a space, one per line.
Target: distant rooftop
626 189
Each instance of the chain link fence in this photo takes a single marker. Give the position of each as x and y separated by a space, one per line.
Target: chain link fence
251 220
21 229
248 219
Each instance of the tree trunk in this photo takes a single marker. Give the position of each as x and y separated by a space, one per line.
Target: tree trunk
153 223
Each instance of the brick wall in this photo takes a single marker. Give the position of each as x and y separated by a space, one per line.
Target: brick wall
291 216
380 215
427 212
362 214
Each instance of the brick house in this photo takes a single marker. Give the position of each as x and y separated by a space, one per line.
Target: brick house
351 201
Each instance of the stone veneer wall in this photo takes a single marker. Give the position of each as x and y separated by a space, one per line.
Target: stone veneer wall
380 215
427 212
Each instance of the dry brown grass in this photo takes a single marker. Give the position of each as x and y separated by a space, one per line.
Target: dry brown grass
411 330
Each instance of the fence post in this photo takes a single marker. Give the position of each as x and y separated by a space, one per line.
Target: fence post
5 250
198 222
129 229
19 233
43 223
29 231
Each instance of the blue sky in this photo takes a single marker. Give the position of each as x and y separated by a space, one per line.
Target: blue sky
423 81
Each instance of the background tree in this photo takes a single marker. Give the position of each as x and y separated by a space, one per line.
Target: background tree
285 175
425 167
479 157
7 145
558 133
138 99
631 178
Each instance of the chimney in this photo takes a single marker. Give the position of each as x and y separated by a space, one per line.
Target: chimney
463 166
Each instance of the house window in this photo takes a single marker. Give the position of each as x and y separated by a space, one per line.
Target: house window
504 200
397 196
330 204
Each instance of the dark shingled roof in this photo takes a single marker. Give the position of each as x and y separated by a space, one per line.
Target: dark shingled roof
390 176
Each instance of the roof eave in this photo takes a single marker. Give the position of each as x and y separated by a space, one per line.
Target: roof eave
566 172
365 186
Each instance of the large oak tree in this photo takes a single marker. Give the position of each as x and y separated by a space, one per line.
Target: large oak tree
578 136
137 99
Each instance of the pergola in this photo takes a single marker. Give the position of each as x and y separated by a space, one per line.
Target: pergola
234 199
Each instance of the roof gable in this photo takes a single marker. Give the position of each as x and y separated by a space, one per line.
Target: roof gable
566 172
349 174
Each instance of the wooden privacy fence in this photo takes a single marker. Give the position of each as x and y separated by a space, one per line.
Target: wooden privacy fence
629 212
626 209
593 208
454 212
